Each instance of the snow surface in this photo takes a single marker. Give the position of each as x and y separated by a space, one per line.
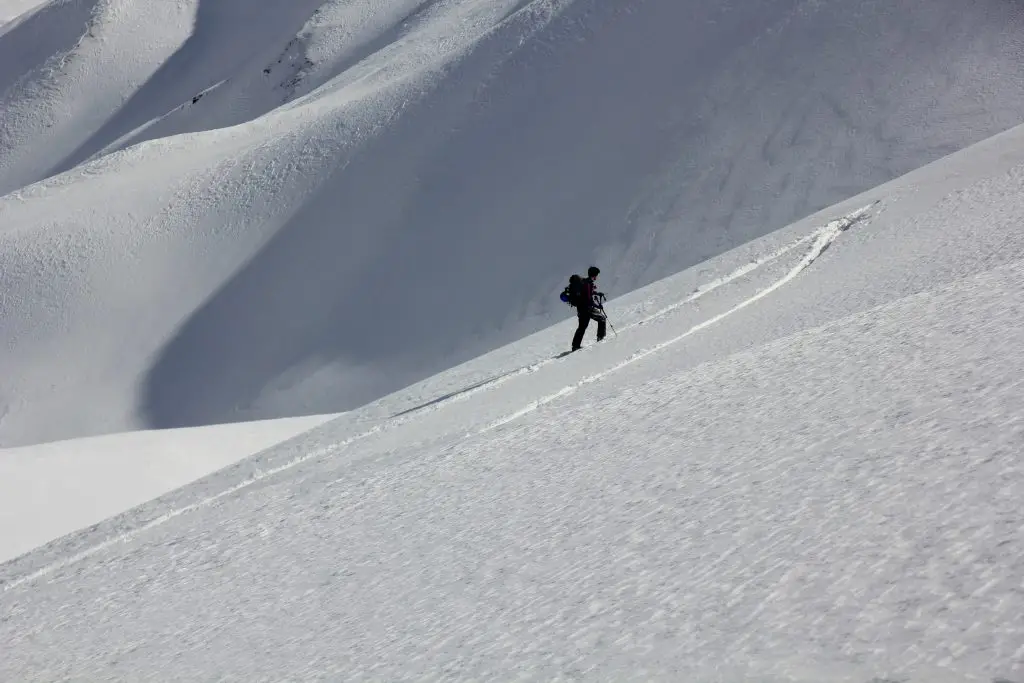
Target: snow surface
53 489
289 208
798 461
13 9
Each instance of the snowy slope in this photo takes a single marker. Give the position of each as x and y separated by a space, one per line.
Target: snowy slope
294 208
13 9
798 461
54 489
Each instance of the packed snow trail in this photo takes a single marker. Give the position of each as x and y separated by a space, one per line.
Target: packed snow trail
820 239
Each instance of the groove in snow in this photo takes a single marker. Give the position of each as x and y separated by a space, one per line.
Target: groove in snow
822 240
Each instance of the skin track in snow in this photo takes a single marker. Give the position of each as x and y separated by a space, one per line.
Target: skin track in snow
820 239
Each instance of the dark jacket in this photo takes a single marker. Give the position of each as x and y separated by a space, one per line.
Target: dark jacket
590 299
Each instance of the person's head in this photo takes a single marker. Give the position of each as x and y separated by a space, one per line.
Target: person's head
593 272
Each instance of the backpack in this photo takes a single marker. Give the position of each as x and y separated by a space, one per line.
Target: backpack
573 293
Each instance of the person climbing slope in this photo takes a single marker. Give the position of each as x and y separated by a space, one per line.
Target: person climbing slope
589 305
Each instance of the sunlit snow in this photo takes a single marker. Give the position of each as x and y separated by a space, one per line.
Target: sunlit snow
796 456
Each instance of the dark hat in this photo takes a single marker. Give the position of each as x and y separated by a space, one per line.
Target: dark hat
593 271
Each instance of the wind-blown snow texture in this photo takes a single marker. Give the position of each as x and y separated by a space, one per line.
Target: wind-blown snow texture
798 461
297 207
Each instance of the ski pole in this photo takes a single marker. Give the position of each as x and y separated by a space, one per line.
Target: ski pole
609 322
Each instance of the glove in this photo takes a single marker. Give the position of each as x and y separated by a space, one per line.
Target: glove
601 296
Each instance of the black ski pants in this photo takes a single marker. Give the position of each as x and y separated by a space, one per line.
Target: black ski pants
585 316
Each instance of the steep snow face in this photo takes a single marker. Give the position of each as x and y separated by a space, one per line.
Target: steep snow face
299 208
66 68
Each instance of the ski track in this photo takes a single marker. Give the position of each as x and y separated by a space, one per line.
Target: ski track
704 290
822 240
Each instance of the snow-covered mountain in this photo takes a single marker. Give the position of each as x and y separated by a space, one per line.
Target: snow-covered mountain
796 461
796 457
220 210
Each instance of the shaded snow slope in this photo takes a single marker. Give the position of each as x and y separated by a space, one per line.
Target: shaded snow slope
53 489
798 461
66 68
401 186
